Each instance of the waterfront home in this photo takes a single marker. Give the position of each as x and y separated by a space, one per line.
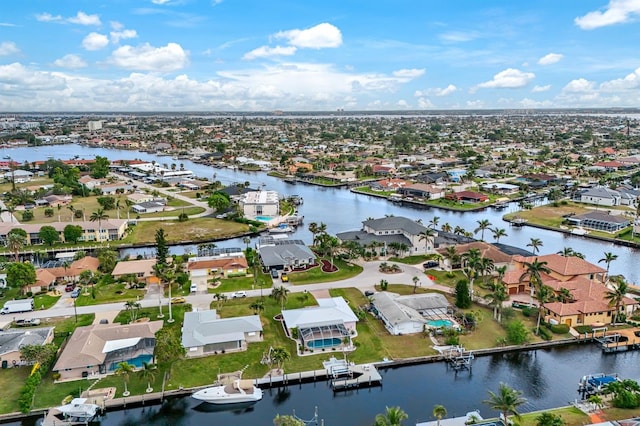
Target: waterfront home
106 230
12 340
587 304
284 254
45 280
142 197
72 270
142 269
409 314
600 221
207 268
467 197
421 190
18 176
600 196
486 250
388 184
323 326
561 268
260 203
203 333
98 349
149 207
393 229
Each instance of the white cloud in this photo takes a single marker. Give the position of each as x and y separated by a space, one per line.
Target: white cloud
424 103
8 48
116 36
402 104
409 73
629 82
160 1
538 89
318 37
579 85
476 104
510 78
459 36
550 58
616 12
267 52
148 58
95 41
81 18
437 91
70 61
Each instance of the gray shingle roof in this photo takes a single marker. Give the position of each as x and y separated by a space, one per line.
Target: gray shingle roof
394 223
13 340
284 254
203 327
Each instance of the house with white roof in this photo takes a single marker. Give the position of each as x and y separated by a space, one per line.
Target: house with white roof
409 314
203 333
323 326
260 203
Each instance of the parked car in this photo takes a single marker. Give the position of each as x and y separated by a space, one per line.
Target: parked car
284 277
27 322
178 300
76 292
430 264
369 293
274 273
70 287
237 294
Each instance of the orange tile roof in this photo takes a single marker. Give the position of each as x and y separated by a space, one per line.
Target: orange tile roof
566 266
221 263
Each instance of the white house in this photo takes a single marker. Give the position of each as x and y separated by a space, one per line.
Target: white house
394 229
410 313
203 333
260 203
600 196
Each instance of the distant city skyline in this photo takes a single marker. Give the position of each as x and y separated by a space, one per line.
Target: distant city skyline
240 55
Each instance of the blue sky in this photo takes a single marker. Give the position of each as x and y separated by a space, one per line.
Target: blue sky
250 55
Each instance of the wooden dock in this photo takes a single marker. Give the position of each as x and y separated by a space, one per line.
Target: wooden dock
366 375
619 340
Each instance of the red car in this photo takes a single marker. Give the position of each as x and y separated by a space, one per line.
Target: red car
70 287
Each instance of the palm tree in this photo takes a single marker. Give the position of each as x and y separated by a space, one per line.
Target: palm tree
72 210
393 416
257 306
535 244
246 241
616 296
99 215
564 295
608 258
313 228
499 233
507 401
124 369
280 355
148 373
433 223
446 227
544 294
549 419
415 280
470 265
427 235
568 251
133 308
15 244
533 271
280 294
496 298
439 412
452 256
483 225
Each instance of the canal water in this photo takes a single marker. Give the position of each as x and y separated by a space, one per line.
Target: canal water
342 210
548 378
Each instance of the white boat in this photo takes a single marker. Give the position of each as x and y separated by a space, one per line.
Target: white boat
596 383
236 392
281 229
79 409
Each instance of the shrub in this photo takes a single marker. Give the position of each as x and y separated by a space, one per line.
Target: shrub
545 333
517 333
183 217
559 328
583 329
529 312
27 215
48 212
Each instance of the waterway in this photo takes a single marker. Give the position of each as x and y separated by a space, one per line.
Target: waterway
548 378
342 210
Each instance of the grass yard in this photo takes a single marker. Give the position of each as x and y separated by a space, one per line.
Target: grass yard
411 260
199 229
571 415
243 283
548 215
45 300
108 293
315 275
11 382
174 212
177 311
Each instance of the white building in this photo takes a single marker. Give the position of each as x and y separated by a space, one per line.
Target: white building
94 125
260 203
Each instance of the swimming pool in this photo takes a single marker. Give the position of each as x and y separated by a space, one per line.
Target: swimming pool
324 343
264 218
440 323
137 362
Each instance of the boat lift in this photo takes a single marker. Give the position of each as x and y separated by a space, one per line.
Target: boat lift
458 358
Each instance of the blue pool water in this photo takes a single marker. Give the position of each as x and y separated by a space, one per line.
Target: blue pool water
264 218
137 362
440 323
324 343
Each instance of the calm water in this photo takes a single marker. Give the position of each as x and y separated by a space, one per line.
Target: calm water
548 378
343 210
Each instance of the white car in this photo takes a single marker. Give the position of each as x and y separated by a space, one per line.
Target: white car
239 294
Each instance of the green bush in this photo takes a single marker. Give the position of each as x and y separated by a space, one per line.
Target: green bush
545 333
529 312
559 328
26 394
583 329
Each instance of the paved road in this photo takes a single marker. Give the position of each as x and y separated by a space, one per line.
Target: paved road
366 280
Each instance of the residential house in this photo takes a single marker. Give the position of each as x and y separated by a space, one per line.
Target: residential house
99 348
142 269
105 230
467 197
149 207
202 269
600 196
45 280
19 176
73 269
13 339
487 250
285 254
322 326
203 333
394 229
500 188
260 203
587 305
410 313
600 221
388 184
421 190
115 188
141 197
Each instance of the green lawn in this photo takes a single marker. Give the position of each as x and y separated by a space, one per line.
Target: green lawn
571 415
45 300
411 260
11 382
242 283
315 275
177 311
199 229
108 293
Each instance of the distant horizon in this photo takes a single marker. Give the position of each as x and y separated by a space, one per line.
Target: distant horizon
229 55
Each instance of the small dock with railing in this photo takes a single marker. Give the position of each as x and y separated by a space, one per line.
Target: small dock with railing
458 358
619 340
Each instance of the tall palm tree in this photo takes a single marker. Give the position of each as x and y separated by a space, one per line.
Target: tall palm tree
616 296
483 225
544 294
393 416
124 369
15 244
280 294
507 401
452 256
446 227
439 412
533 272
72 210
148 373
433 223
313 228
280 355
427 236
499 233
496 298
470 266
99 215
607 259
535 244
568 251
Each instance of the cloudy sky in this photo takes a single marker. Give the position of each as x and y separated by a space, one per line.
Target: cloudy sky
257 55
